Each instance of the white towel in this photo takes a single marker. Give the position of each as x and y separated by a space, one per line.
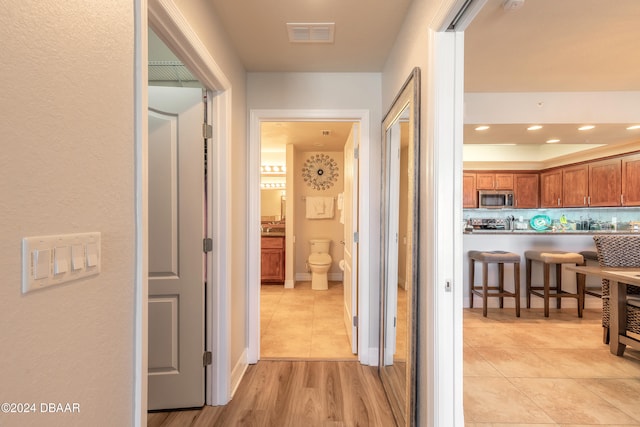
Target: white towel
341 201
319 207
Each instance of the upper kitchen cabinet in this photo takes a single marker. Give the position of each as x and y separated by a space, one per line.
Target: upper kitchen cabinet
526 190
494 181
631 180
605 183
469 191
575 186
551 189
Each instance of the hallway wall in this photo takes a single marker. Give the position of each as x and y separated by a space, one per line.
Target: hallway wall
67 166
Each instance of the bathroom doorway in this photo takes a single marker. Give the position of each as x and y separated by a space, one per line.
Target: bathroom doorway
295 321
302 300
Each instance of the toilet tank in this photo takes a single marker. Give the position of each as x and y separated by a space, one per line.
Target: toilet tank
320 246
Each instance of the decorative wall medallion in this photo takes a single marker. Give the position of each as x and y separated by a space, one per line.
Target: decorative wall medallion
320 172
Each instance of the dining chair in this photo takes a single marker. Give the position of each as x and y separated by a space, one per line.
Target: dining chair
619 251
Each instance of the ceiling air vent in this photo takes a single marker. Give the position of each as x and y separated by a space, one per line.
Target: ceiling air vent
311 33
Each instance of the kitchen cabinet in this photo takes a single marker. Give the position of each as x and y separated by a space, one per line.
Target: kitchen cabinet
551 189
631 180
575 186
605 182
526 190
494 181
469 191
272 259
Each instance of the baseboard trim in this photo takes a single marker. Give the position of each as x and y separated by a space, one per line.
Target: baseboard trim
372 357
239 370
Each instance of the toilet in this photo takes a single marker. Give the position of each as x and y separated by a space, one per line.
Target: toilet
319 263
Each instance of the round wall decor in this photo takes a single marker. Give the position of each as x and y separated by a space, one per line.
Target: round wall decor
320 172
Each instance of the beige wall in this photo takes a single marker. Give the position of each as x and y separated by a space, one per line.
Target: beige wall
67 166
203 20
307 229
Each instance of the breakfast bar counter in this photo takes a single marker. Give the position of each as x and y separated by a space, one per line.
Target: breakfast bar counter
519 241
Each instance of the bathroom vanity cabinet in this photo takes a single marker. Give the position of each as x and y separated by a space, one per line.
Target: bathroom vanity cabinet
272 259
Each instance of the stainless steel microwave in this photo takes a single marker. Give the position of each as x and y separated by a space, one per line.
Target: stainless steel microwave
493 199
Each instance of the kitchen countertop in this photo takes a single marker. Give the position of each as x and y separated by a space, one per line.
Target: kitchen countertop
548 232
273 234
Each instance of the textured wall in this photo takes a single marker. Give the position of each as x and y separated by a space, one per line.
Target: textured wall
67 166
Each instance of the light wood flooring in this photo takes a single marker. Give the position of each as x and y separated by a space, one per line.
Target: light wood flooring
295 394
537 371
301 323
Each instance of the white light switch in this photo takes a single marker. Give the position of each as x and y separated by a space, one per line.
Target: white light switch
53 260
77 257
42 263
92 255
61 260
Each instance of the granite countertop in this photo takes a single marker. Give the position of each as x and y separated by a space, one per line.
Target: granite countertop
273 234
547 232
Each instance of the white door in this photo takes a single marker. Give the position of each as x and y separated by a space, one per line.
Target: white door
392 175
350 211
176 258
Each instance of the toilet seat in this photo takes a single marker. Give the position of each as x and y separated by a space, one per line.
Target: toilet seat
319 259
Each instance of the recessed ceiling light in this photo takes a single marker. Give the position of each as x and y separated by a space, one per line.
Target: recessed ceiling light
552 141
587 127
482 128
534 127
634 127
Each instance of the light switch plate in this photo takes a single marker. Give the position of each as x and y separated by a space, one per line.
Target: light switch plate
53 260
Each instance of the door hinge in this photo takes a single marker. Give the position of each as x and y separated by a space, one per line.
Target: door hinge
207 358
356 153
207 130
207 245
355 321
355 237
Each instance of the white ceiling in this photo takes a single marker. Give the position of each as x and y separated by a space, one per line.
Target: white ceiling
547 45
554 46
365 31
306 136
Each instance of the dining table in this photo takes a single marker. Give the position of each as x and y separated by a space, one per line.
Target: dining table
619 278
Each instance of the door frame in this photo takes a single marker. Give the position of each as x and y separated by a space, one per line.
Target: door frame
172 27
365 355
443 376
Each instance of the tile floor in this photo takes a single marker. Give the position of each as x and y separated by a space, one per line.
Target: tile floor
301 323
537 371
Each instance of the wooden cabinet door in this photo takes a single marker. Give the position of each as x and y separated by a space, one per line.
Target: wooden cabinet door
605 183
272 265
575 186
526 190
272 259
551 189
485 181
469 193
504 181
631 180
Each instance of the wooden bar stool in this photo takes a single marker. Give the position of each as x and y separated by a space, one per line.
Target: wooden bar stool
557 258
485 290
